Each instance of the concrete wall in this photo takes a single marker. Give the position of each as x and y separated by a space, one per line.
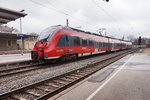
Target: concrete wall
4 44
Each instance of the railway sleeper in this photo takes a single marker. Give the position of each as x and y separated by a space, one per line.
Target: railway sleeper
61 81
76 75
10 98
52 84
49 86
33 92
25 96
81 73
36 91
41 90
85 72
60 84
64 79
68 79
72 77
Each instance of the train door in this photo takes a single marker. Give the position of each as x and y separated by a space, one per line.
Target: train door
113 45
108 45
96 47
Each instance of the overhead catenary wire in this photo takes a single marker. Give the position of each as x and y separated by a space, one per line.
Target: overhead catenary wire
59 11
104 10
93 25
109 15
62 11
48 7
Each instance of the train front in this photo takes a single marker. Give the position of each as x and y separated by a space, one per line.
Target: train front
43 43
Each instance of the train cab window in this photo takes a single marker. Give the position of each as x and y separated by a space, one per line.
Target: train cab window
76 41
61 41
84 42
48 33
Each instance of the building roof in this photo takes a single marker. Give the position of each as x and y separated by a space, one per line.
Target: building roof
7 15
9 35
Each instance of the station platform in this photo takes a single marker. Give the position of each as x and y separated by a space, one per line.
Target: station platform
10 58
126 79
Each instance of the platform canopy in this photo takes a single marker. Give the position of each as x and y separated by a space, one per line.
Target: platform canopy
9 35
7 15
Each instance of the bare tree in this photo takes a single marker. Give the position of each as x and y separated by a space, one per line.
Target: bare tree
130 38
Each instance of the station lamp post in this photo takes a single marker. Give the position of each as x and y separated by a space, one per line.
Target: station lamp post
22 48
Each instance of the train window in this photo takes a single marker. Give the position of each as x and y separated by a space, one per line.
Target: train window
67 40
115 44
76 41
100 45
84 42
103 45
107 45
80 41
91 43
111 45
71 43
96 45
61 41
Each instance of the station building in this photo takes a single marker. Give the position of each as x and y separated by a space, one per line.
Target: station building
8 36
8 41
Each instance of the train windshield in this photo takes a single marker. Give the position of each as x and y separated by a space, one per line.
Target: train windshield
47 33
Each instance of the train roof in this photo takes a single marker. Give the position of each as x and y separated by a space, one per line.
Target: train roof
87 32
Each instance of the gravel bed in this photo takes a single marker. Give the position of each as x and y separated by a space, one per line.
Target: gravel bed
17 81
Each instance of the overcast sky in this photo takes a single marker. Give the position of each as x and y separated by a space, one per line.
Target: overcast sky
119 17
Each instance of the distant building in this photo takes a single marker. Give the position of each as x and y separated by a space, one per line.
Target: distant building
148 43
6 28
28 42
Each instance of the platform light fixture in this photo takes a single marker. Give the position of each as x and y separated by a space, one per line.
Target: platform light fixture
106 0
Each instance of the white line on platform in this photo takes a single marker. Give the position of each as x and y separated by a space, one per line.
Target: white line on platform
95 92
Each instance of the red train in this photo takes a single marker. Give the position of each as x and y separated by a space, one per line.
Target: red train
69 43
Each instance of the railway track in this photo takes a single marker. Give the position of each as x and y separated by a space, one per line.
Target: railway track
47 88
30 66
19 69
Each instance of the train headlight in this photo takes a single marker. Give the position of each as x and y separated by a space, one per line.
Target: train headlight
45 56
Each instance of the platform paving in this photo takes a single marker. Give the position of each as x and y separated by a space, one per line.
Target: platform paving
126 79
14 58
